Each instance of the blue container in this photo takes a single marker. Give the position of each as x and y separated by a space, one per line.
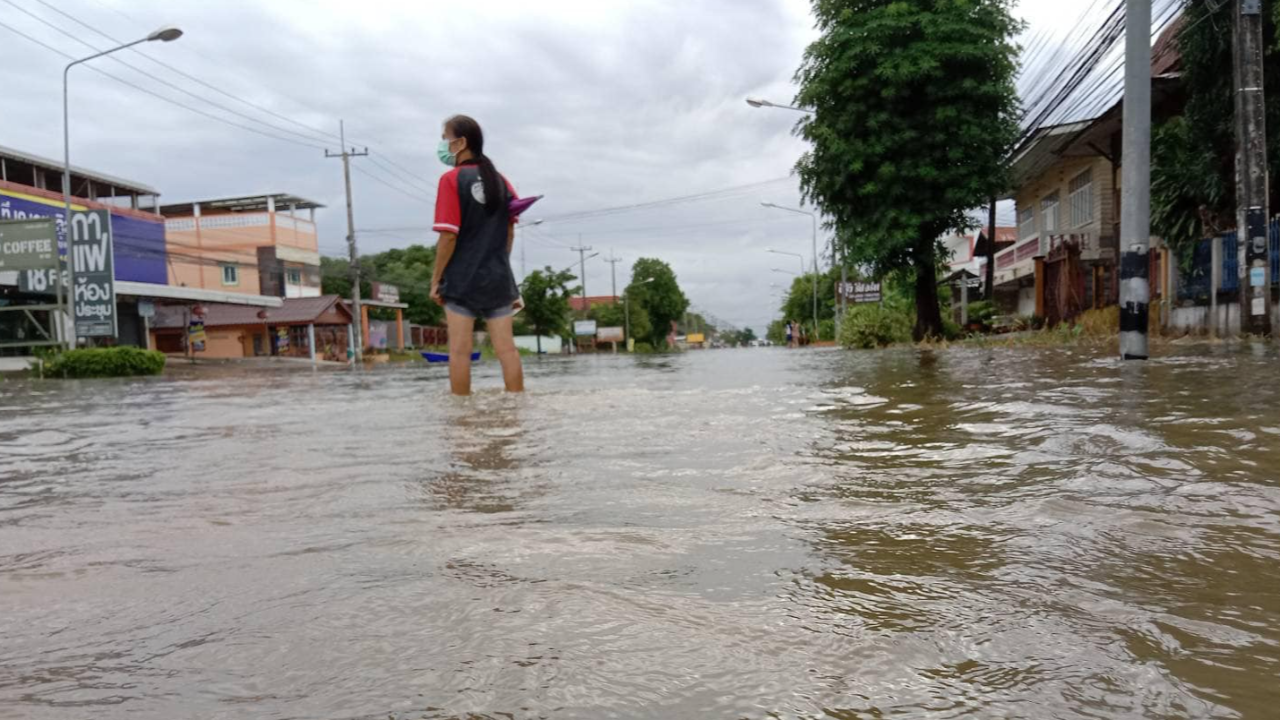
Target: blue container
434 357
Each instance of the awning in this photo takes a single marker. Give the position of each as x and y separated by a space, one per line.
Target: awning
178 292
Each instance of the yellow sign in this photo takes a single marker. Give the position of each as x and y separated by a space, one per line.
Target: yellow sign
696 338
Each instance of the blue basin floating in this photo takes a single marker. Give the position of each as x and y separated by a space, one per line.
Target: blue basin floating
434 357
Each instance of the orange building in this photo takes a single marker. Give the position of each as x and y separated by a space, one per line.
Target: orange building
256 245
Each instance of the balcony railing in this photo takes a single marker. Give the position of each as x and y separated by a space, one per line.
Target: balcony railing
1024 250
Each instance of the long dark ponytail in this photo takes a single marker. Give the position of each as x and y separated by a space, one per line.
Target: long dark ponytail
463 126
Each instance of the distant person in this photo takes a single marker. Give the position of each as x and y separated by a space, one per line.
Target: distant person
790 334
473 277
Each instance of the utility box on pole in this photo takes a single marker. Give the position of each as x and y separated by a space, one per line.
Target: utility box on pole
1251 169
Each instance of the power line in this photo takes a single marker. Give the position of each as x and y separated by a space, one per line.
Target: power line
305 140
402 191
323 134
660 203
152 93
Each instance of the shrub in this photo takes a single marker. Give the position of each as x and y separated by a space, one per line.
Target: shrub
643 348
873 326
827 329
105 362
981 311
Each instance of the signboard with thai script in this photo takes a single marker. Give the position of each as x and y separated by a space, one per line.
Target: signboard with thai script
584 328
94 295
383 292
858 292
28 244
138 236
695 338
195 335
609 334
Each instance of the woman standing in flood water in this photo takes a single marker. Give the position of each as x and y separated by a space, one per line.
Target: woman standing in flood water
473 277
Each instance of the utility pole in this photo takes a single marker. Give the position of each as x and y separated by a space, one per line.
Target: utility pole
1251 170
1135 183
346 155
990 294
613 260
582 251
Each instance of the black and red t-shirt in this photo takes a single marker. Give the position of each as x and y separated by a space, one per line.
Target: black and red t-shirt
478 276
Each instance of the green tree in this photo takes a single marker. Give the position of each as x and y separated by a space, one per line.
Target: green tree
409 269
546 296
662 300
914 111
1193 192
607 314
798 304
777 332
747 335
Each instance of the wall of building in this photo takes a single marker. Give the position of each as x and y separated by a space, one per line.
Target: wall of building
1101 225
199 246
138 237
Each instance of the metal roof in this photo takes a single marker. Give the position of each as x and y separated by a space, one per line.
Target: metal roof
56 165
245 203
292 311
181 292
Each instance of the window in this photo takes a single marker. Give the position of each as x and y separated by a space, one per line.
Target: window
293 276
1049 213
1081 199
230 275
1026 222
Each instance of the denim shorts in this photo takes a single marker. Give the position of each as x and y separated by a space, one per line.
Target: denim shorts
496 314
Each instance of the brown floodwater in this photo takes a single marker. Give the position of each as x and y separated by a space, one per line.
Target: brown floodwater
727 534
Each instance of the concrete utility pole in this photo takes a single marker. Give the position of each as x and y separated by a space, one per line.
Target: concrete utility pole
346 155
1135 183
990 294
1251 170
613 260
582 251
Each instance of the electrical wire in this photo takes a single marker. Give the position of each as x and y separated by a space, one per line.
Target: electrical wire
152 93
303 139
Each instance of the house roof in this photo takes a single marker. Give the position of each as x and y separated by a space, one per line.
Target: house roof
244 203
292 311
56 166
1091 137
576 303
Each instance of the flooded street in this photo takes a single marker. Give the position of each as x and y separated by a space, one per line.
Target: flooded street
727 534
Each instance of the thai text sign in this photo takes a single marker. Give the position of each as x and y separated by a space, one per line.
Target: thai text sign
609 334
858 292
94 295
584 328
383 292
28 244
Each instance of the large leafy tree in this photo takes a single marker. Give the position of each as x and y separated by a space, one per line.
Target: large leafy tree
546 296
914 110
409 269
1193 192
662 300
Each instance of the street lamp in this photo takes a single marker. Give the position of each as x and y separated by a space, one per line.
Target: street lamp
784 272
535 223
626 309
814 217
762 103
164 34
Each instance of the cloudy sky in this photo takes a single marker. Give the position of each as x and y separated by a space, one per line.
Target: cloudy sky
595 105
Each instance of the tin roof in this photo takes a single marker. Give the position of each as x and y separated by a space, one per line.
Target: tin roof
244 203
292 311
56 166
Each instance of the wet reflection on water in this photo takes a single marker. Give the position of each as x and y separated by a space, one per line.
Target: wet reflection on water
956 533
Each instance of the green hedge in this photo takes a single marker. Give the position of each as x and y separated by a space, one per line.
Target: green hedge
873 326
105 362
